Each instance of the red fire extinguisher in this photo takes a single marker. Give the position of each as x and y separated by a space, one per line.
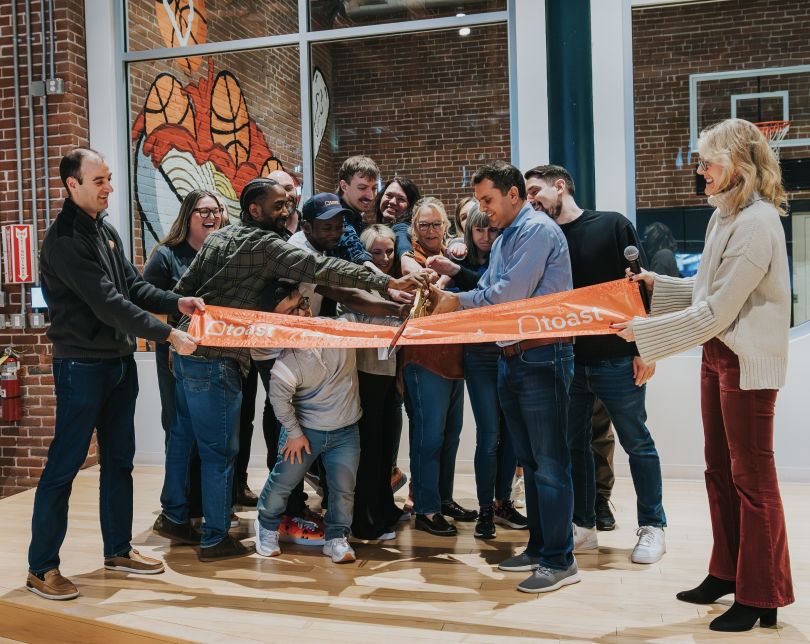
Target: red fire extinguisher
11 406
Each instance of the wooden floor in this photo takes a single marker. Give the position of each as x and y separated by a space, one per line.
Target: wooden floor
418 588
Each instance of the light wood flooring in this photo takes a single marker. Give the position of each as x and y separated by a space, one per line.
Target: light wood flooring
418 588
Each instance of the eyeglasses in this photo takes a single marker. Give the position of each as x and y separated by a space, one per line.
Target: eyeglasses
436 225
703 164
206 213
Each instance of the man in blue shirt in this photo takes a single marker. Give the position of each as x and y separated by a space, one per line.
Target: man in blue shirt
530 259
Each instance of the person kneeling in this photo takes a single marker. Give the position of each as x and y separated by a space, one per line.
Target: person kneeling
314 395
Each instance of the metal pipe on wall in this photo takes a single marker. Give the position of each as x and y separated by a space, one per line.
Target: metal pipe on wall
31 139
51 36
46 180
17 124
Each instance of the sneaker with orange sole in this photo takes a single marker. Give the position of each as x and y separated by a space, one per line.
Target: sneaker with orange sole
300 531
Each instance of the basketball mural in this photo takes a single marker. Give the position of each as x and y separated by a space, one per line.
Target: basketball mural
183 23
195 136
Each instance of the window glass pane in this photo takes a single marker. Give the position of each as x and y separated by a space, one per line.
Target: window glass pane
236 117
334 14
430 106
175 23
737 78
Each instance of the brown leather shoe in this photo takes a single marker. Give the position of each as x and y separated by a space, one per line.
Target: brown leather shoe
52 585
135 562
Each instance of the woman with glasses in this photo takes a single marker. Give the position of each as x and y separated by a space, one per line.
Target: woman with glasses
495 459
201 213
434 393
738 308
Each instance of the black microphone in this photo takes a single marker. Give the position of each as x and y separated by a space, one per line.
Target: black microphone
631 255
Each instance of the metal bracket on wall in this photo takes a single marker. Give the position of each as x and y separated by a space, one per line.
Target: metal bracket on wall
50 86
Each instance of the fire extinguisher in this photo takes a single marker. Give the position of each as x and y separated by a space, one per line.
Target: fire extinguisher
11 407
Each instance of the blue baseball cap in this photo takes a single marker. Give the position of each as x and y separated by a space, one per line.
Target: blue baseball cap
324 205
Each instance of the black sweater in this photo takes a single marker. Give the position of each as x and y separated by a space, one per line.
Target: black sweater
96 297
596 243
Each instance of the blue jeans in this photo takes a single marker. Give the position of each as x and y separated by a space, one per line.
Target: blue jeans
436 407
533 390
339 450
495 459
613 383
208 399
90 394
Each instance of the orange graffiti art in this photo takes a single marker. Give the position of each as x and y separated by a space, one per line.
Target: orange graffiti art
183 23
222 130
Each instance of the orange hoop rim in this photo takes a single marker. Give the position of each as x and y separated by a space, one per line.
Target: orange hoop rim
773 128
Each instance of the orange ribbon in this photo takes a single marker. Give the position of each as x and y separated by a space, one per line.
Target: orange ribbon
583 311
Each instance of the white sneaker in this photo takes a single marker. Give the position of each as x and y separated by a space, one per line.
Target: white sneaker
340 550
387 536
266 541
651 545
585 539
518 492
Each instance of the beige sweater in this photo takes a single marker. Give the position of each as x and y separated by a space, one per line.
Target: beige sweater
741 295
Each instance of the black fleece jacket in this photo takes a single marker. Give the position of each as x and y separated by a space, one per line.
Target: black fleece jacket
96 298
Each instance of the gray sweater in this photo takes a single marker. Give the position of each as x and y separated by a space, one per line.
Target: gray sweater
741 295
316 389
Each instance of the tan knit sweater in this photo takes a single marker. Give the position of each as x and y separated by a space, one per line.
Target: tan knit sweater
741 295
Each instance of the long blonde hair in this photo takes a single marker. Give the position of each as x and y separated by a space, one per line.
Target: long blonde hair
749 166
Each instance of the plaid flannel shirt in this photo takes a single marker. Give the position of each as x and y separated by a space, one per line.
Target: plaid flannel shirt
236 262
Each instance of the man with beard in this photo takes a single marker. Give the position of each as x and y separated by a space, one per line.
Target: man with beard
232 268
605 367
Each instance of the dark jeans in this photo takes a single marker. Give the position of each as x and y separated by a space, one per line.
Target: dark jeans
168 409
374 509
613 383
90 394
748 522
297 501
533 390
208 397
436 407
495 459
603 444
246 417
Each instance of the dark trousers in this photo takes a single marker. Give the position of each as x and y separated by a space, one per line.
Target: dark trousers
533 390
168 409
603 444
748 522
297 501
246 417
374 509
90 394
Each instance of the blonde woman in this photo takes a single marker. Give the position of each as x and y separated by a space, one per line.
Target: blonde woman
738 307
434 393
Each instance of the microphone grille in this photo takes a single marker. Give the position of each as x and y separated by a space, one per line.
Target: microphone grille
631 253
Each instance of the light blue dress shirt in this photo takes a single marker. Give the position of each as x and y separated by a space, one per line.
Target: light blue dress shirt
529 259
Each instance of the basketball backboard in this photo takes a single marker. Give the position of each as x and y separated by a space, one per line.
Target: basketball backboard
756 95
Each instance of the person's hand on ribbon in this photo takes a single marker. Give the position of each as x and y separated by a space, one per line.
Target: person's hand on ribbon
182 342
402 297
191 305
443 301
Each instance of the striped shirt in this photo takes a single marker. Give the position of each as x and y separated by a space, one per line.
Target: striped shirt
236 262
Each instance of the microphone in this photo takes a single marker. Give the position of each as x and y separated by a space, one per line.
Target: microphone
631 254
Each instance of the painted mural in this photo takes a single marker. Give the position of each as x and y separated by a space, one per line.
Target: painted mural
183 23
200 135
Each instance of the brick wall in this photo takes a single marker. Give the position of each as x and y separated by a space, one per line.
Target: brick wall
23 445
431 106
672 42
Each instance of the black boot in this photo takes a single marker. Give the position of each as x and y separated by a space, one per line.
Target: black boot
740 618
604 517
709 591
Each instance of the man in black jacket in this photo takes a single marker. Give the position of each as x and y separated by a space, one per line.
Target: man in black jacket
98 305
603 367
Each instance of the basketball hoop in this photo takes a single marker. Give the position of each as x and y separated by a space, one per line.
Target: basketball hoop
774 132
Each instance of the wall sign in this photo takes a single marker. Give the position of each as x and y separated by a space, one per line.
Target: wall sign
320 108
18 252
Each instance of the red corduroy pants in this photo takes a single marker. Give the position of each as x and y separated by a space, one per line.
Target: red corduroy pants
748 522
